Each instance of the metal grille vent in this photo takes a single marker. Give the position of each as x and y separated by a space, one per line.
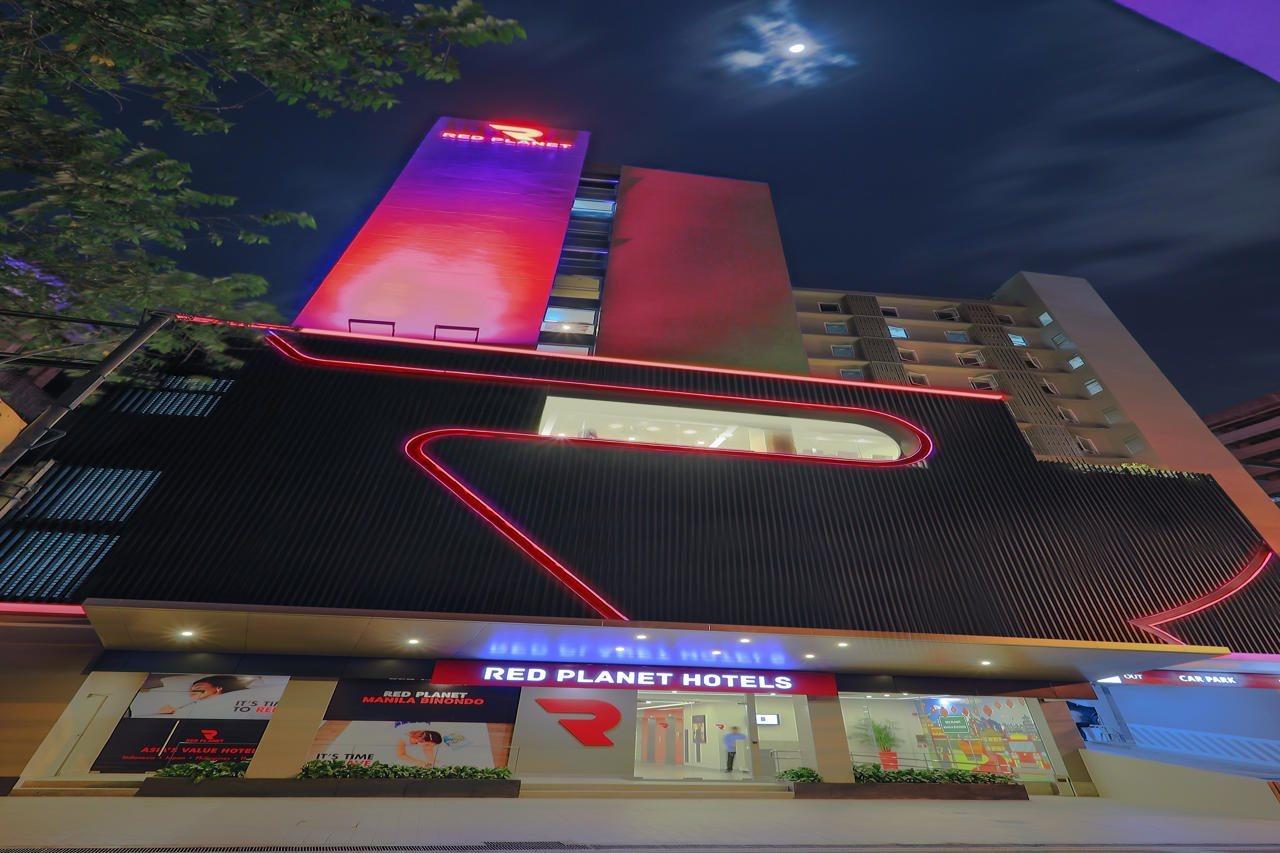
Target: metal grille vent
175 396
76 493
46 564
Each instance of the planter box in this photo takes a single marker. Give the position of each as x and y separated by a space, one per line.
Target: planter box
176 787
905 791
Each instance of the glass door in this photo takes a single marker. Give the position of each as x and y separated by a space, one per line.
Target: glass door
699 736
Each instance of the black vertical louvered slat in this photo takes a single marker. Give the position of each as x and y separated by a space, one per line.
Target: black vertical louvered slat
295 491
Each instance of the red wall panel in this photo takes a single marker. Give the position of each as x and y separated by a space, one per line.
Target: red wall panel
697 275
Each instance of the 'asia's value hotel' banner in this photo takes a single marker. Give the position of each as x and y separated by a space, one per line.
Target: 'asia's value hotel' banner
413 722
177 718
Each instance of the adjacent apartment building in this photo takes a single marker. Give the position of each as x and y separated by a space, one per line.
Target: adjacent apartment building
547 475
1251 431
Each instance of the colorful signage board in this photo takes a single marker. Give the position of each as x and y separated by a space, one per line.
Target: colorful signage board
464 245
179 717
631 677
1181 678
412 722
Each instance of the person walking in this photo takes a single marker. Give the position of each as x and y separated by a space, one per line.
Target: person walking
731 740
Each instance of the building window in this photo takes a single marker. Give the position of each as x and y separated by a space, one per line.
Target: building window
1112 415
570 349
971 359
1094 387
716 429
1004 319
571 321
956 336
898 332
842 350
1048 387
888 312
909 355
1059 340
1086 446
1031 361
983 383
1075 362
829 307
1017 340
1045 319
1068 415
594 208
836 328
852 373
917 379
949 314
1134 444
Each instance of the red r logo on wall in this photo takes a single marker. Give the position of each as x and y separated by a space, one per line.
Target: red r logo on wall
590 731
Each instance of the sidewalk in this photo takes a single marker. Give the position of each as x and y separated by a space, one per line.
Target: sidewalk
748 824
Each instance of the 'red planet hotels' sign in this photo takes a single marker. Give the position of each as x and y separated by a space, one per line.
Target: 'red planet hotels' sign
506 134
627 677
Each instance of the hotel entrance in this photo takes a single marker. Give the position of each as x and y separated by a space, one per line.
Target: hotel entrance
690 735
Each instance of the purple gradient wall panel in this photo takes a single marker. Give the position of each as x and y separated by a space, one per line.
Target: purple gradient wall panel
464 246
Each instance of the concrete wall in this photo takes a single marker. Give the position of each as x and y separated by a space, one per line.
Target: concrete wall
546 748
1175 434
1182 789
84 725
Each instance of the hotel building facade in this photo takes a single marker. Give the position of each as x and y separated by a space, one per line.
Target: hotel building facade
555 471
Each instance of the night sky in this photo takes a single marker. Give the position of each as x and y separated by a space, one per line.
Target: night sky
919 146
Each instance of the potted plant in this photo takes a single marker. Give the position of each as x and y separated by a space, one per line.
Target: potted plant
881 735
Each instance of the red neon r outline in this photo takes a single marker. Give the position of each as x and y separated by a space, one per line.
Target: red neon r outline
1251 571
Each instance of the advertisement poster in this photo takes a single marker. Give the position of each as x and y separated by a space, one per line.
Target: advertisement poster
180 717
414 722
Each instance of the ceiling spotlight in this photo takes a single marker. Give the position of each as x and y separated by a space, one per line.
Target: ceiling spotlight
413 641
744 639
187 633
690 432
619 648
716 652
642 636
565 326
985 662
843 645
810 657
796 48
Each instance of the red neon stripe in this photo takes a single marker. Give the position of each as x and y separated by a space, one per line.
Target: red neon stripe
41 609
1252 570
925 442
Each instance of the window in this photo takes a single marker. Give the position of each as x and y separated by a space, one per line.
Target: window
898 332
1045 319
909 355
1112 415
1048 387
594 208
983 383
1075 362
1031 361
1059 340
1134 444
842 351
573 321
836 328
917 379
572 349
1094 387
1068 415
829 307
1017 340
971 359
1086 446
957 337
950 314
1004 319
888 312
716 429
852 373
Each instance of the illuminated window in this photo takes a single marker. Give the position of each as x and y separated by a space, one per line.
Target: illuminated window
1075 362
1093 386
853 373
1045 319
898 332
571 321
573 417
1017 340
836 328
571 349
957 337
842 350
594 208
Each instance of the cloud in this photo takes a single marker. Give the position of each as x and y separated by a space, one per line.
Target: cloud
761 48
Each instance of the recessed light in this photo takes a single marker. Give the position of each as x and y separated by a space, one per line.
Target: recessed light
796 48
985 663
615 426
744 639
565 326
886 695
690 432
653 429
413 641
631 438
843 645
187 633
619 648
716 652
701 442
642 636
810 657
